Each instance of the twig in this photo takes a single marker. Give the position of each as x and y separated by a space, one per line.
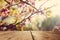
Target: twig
27 17
21 2
7 2
33 14
43 3
50 7
30 5
22 9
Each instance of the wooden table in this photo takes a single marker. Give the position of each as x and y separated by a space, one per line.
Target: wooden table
29 35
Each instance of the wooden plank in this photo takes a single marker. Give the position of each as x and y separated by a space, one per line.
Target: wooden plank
15 35
43 35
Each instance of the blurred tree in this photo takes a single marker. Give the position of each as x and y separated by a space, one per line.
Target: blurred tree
49 23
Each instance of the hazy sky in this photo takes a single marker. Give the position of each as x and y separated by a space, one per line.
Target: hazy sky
55 9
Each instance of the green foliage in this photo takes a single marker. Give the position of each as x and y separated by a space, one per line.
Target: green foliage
48 24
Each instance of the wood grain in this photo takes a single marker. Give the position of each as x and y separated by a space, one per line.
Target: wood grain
44 35
15 35
29 35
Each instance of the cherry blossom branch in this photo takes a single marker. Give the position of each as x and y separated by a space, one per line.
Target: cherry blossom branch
41 11
27 18
31 13
21 2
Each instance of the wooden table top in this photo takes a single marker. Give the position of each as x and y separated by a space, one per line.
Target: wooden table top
29 35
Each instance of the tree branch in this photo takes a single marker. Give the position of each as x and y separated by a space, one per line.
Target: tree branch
43 3
21 2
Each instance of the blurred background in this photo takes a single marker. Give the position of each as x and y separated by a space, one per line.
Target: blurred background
30 15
